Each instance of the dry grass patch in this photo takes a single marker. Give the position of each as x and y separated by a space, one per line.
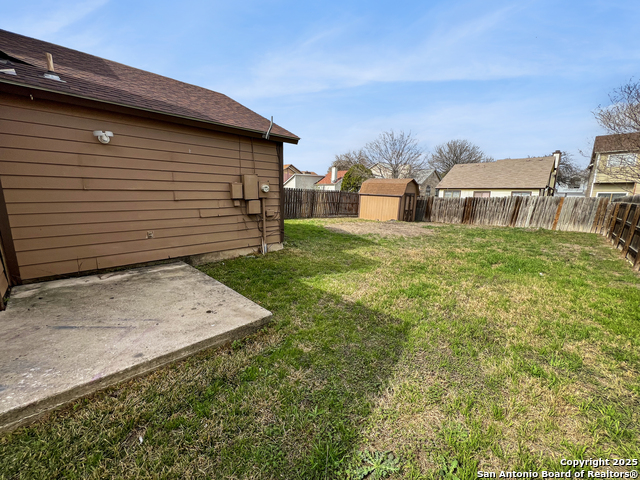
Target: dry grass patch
383 229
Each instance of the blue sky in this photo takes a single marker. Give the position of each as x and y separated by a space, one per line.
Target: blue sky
516 78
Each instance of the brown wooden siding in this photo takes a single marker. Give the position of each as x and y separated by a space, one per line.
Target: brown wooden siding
76 205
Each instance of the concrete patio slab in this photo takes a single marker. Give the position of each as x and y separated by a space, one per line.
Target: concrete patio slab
63 339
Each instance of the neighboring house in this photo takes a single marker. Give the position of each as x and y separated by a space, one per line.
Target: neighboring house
427 179
306 180
380 170
571 190
383 170
288 170
332 180
503 178
610 154
105 165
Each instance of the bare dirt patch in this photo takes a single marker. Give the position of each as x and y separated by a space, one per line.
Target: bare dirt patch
384 229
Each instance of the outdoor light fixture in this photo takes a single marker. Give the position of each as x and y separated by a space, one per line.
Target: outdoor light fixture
103 137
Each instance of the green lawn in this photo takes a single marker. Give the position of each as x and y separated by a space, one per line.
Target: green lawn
432 356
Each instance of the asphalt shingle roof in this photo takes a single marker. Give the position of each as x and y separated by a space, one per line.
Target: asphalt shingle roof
326 180
96 78
386 186
625 142
509 173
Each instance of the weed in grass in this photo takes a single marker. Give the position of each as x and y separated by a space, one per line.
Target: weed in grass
374 465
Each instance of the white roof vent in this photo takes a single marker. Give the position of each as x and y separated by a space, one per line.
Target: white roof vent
8 71
53 76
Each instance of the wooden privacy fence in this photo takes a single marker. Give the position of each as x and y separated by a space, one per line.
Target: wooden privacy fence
554 213
421 208
623 229
300 203
618 221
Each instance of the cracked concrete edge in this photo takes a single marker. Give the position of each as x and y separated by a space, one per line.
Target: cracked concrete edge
27 414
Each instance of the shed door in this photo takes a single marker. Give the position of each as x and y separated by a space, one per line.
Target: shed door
409 207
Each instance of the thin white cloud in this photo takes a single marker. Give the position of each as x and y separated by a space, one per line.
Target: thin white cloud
457 50
48 20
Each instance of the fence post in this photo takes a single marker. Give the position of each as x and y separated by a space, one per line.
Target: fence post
557 217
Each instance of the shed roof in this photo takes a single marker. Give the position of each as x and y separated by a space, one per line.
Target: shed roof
509 173
386 186
89 77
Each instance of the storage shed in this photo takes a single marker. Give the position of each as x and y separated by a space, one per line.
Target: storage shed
104 165
389 199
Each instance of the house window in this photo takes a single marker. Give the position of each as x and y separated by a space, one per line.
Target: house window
621 160
611 196
520 194
482 194
452 194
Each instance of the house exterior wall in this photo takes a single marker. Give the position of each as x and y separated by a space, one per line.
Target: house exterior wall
303 181
569 191
76 205
626 188
603 162
600 182
431 181
464 193
333 187
379 208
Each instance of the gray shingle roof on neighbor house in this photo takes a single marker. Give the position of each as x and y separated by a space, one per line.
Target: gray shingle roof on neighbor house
509 173
86 76
422 176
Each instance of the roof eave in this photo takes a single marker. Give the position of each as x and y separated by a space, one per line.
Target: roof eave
275 137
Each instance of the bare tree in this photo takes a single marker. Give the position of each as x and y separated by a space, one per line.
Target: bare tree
622 119
397 153
345 161
454 152
623 115
569 172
